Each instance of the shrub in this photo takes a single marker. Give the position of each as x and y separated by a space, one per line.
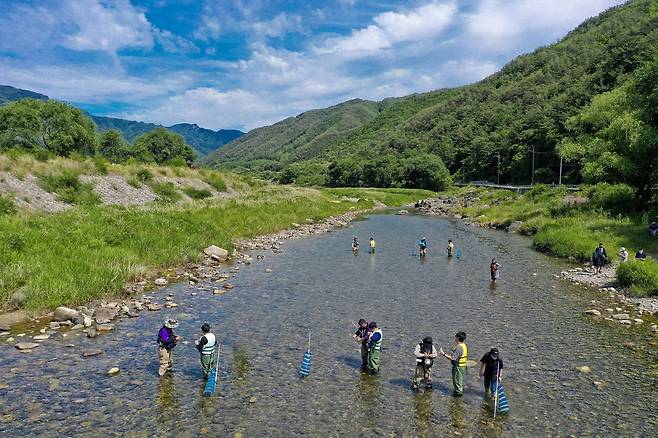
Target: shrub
7 206
101 165
68 188
195 193
640 277
166 191
617 197
144 175
133 181
214 180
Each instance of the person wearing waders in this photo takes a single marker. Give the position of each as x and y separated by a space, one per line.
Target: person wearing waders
422 247
459 359
451 248
373 245
425 354
206 346
490 364
361 335
494 269
167 340
374 348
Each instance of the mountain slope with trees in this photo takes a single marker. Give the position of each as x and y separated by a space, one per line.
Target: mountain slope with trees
202 140
492 129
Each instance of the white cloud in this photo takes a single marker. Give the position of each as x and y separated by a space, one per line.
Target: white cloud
390 28
280 25
500 23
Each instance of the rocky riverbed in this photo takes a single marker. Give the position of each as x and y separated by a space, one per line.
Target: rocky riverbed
217 266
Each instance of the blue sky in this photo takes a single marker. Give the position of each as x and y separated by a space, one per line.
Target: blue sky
243 64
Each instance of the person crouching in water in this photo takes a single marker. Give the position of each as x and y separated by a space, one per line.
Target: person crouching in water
451 248
206 346
490 365
167 340
374 348
361 335
425 354
422 244
355 244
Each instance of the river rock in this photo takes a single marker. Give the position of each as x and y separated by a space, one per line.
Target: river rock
4 328
619 316
154 307
10 340
78 327
103 315
54 325
515 227
625 322
41 337
593 312
170 305
26 345
268 270
64 314
161 281
91 332
217 253
228 286
584 369
105 327
90 353
638 321
218 292
113 371
139 306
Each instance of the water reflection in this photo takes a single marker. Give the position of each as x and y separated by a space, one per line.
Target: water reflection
423 405
368 389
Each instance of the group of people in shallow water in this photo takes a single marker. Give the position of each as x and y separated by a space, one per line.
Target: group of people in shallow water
491 364
206 345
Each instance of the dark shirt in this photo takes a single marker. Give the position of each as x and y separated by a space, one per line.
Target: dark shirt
653 227
423 244
362 333
490 365
203 341
600 252
640 255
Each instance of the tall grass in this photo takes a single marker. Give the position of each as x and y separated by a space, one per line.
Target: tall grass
386 196
85 253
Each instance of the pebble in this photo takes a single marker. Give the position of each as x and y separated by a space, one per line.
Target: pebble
91 332
638 321
105 327
584 369
228 286
10 340
599 385
593 312
26 345
625 322
154 307
113 371
253 400
621 316
40 337
654 328
609 310
218 292
193 294
161 281
170 305
268 270
90 353
54 325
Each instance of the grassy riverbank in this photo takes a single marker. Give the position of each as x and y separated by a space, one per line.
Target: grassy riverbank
88 252
571 224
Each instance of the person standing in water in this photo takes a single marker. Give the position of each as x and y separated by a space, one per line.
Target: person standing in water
167 340
490 364
425 354
451 248
373 245
206 346
374 348
355 244
361 335
493 268
459 359
422 244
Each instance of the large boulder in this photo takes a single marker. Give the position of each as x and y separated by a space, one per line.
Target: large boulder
103 315
515 227
65 314
216 252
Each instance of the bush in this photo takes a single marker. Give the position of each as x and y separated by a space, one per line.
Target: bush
144 175
166 192
7 206
101 165
640 277
616 197
133 181
68 188
214 180
195 193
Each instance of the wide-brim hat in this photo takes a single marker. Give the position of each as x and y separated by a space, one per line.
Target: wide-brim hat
171 323
427 340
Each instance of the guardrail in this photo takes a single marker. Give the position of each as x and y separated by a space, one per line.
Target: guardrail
517 189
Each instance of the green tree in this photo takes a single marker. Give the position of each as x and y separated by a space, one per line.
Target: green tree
616 137
425 171
165 146
55 126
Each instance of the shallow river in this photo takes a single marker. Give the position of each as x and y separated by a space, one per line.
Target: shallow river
318 284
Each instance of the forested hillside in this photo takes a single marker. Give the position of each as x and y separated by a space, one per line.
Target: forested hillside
523 108
202 140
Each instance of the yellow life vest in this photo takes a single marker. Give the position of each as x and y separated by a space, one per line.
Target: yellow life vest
464 357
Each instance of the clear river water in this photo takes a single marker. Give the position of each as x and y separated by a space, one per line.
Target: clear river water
318 284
